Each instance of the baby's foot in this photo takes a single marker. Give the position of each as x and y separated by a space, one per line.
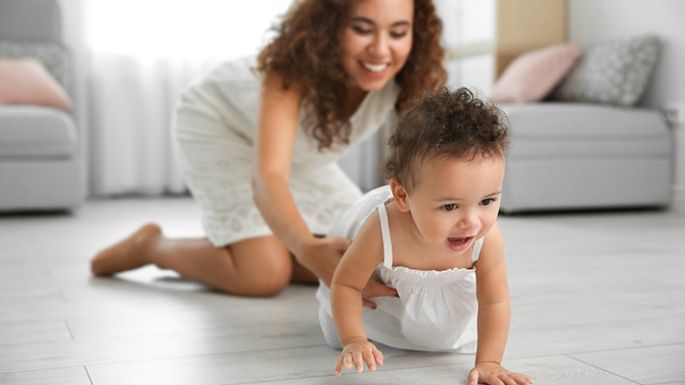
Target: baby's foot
129 253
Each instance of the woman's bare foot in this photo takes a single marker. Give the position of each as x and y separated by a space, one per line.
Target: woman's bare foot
129 253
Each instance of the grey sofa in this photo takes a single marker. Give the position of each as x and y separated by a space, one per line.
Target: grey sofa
586 156
41 166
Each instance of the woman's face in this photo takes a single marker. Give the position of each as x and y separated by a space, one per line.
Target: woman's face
376 41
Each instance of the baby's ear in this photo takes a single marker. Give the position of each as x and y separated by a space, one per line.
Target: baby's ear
399 193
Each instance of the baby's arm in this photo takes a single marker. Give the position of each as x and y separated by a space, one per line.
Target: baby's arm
493 315
351 275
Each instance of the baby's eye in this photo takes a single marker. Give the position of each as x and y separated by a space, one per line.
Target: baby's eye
449 207
487 201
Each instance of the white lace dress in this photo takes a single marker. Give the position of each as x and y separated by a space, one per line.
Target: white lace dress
214 133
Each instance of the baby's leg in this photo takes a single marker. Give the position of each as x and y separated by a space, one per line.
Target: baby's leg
330 333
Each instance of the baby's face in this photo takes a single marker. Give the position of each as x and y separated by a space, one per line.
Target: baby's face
456 201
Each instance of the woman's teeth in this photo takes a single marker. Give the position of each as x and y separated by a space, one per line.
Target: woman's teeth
374 67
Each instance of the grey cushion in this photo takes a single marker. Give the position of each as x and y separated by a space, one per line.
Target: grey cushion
616 72
32 132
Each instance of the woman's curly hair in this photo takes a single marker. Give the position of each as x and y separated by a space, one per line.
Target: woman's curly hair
302 53
445 125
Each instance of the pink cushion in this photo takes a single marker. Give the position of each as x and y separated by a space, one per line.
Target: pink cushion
534 74
25 81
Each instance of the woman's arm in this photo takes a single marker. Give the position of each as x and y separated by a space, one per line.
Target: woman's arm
275 140
352 274
494 312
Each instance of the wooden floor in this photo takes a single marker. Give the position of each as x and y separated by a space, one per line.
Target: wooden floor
597 299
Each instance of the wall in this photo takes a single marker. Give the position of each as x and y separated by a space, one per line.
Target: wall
599 20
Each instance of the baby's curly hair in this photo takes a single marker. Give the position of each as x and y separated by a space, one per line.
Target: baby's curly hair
307 51
445 124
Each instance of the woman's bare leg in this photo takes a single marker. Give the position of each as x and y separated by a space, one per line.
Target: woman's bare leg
302 275
129 253
255 267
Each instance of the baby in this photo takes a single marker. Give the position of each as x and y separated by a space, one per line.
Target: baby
432 235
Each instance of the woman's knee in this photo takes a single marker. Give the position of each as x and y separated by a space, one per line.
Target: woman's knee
264 266
274 277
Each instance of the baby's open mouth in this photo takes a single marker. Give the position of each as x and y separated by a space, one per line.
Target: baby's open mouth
455 241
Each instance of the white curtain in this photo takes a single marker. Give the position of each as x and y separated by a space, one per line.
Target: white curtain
131 105
133 60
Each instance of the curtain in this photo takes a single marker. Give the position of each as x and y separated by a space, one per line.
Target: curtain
131 105
133 60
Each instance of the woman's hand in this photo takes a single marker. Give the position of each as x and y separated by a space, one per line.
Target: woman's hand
493 373
321 256
358 352
373 289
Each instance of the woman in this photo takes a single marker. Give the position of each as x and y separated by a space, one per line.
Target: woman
336 71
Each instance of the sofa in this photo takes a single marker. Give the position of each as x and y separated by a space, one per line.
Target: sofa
579 137
567 156
41 162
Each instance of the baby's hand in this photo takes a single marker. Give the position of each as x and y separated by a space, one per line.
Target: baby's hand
493 373
357 352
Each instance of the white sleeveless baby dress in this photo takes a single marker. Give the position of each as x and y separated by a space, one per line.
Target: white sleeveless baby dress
214 134
435 311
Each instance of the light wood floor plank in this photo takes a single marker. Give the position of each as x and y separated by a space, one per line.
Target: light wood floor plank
21 330
60 376
146 346
265 365
557 370
649 365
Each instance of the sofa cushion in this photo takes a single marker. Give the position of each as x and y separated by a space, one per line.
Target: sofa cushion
36 132
25 81
555 130
56 59
534 74
615 72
